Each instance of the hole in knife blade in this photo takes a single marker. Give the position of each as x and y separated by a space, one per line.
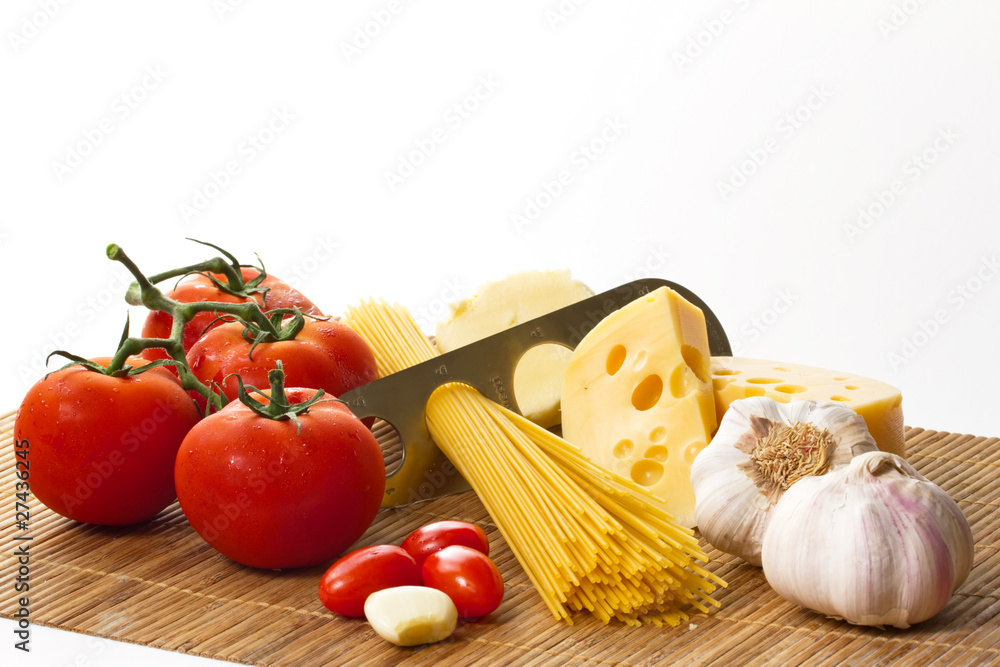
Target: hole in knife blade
538 378
391 444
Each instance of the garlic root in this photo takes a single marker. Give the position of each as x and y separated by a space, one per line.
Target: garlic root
760 450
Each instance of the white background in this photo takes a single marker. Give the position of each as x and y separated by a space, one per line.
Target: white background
730 146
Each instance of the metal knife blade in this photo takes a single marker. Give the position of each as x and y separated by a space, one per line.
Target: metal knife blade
487 365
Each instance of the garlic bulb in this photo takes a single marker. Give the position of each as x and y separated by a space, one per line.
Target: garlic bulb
873 543
761 448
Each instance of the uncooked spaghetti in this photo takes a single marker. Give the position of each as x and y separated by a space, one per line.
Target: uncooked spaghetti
588 539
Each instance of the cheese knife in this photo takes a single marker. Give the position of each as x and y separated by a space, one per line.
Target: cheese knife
487 365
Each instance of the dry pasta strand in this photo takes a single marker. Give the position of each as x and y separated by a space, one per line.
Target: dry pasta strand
587 539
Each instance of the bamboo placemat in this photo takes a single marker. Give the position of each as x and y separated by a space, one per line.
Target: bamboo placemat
161 585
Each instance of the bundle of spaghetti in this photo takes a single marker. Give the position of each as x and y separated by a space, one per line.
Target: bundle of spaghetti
587 538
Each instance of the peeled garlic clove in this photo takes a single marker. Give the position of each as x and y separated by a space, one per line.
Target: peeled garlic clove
411 615
873 543
761 448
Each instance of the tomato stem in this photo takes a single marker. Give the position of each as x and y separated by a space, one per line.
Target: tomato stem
144 292
280 329
278 406
211 268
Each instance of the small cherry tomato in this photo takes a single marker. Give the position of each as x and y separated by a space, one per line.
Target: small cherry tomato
469 577
348 583
433 537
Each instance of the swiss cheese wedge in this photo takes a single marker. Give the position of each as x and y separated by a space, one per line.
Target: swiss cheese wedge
637 396
880 404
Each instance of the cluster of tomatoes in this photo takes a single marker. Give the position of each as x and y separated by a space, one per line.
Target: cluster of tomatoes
451 556
291 478
116 448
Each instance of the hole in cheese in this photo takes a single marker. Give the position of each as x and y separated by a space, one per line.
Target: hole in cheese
762 381
791 388
658 453
726 371
640 361
647 472
851 387
718 384
839 398
623 449
682 382
658 434
696 362
616 357
691 451
647 393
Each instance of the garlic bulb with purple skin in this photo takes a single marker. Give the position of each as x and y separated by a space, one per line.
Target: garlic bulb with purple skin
872 543
760 450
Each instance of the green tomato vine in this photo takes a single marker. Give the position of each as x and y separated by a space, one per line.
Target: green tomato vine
260 326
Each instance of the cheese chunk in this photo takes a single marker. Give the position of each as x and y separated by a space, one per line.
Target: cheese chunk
518 298
637 396
880 404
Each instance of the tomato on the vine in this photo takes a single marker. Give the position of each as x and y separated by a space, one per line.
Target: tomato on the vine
347 583
198 287
102 447
281 493
325 354
469 577
433 537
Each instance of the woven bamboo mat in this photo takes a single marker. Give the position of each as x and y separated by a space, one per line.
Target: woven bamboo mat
160 585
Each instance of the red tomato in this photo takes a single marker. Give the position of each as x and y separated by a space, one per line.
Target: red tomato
348 583
101 449
268 496
469 577
325 355
424 541
197 287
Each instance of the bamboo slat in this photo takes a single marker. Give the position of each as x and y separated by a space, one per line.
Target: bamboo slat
159 584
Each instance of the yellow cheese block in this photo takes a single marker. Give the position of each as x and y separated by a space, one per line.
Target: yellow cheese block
637 396
496 306
880 404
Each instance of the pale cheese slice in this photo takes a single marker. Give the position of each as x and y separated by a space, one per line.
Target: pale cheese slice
637 396
880 404
518 298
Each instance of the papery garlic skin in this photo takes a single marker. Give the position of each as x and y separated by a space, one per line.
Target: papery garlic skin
732 505
872 543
